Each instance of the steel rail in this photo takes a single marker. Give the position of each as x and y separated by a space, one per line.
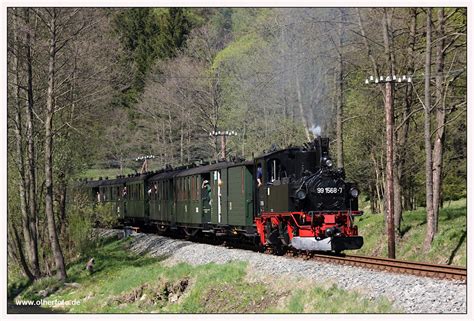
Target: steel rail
398 266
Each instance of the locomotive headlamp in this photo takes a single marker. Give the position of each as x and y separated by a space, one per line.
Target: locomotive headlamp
329 163
301 194
326 161
354 192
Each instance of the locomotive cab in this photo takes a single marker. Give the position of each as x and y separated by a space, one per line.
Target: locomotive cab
280 169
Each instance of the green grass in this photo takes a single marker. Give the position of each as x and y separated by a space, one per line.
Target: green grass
126 283
95 173
449 244
333 300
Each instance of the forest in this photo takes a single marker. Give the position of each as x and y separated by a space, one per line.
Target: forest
92 89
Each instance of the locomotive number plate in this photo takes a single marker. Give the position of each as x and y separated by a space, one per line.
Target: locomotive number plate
329 190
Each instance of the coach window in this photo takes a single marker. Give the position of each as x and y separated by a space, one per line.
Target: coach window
275 170
185 189
182 188
188 188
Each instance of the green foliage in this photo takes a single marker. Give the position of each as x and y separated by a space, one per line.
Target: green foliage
362 133
249 20
139 31
80 224
148 34
82 218
106 217
221 20
174 28
455 162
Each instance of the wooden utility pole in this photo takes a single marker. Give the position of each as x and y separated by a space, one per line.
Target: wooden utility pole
223 135
145 159
223 147
430 222
389 169
389 189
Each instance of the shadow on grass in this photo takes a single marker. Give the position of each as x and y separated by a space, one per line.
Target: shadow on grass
404 230
453 253
16 288
449 214
111 258
407 227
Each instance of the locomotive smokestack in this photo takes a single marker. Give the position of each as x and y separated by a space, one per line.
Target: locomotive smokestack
316 130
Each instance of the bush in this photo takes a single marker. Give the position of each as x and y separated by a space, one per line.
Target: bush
83 216
105 215
80 225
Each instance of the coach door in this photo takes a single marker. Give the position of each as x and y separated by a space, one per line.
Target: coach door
206 197
216 197
263 191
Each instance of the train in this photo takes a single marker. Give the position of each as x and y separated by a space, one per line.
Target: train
290 198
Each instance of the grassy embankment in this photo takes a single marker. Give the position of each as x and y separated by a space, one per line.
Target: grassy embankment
125 283
449 245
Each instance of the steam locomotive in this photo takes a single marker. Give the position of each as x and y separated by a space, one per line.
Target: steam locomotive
289 198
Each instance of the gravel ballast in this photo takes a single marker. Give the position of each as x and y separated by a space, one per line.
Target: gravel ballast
410 294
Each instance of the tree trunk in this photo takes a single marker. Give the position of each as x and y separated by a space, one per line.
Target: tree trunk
397 191
181 145
378 183
23 181
48 154
21 255
170 136
440 120
62 204
375 68
402 137
430 227
340 94
188 148
30 134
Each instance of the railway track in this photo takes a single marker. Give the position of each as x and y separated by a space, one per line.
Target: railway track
396 266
